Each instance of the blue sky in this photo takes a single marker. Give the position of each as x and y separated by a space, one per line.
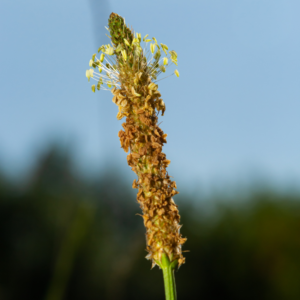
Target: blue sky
233 115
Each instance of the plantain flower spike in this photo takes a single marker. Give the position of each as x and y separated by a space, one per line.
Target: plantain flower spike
131 71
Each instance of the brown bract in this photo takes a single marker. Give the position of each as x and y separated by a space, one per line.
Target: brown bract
139 101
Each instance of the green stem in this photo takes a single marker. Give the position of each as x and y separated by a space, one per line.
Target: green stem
169 278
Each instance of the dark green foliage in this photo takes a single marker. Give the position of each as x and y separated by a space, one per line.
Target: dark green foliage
64 237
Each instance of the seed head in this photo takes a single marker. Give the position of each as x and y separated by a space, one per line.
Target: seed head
130 67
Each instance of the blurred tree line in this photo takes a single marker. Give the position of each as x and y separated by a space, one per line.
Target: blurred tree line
63 236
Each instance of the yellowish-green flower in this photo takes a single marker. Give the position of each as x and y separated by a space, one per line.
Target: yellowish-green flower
130 51
89 74
124 54
126 42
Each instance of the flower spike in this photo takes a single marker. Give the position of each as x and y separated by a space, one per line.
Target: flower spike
130 71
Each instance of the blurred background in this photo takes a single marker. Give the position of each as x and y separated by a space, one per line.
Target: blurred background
68 223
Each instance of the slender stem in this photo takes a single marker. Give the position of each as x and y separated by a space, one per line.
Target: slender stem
169 278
